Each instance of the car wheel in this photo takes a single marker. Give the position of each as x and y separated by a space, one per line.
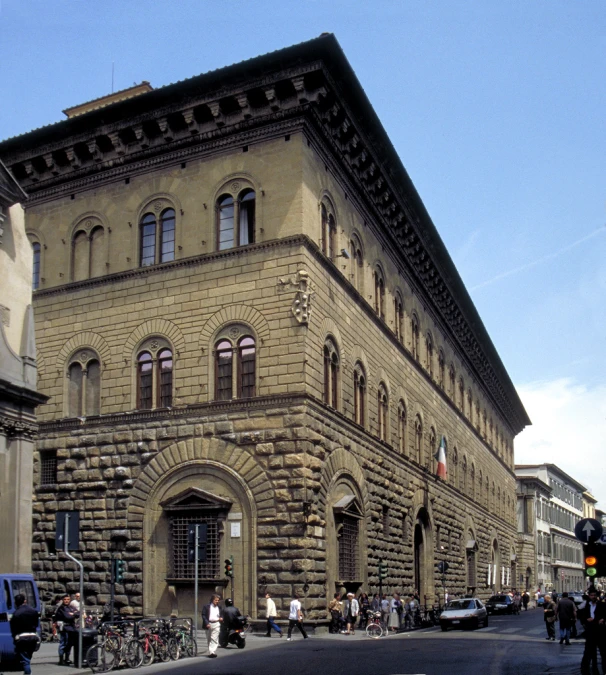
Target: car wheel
476 625
486 621
443 627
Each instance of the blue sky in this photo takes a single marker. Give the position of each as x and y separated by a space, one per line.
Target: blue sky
497 110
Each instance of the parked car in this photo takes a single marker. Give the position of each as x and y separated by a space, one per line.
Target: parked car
500 604
576 597
541 600
464 613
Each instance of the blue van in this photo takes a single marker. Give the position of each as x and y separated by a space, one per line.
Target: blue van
10 586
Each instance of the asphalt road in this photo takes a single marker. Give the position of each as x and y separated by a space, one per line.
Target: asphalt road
510 645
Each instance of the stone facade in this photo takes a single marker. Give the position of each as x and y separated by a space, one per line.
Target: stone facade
18 395
290 391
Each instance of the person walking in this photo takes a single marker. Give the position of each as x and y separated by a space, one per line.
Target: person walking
211 620
384 609
525 600
336 617
271 615
549 615
24 626
351 609
593 617
295 617
567 615
65 618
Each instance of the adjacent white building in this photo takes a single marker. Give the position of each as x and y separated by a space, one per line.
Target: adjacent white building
558 556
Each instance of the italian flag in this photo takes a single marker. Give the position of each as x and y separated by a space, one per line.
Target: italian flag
441 459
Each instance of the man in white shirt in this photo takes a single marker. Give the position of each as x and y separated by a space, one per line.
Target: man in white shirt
295 617
211 620
271 614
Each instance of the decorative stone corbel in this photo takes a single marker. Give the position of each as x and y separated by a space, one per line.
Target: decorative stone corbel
165 128
190 120
72 158
301 306
215 111
244 105
114 137
270 95
93 148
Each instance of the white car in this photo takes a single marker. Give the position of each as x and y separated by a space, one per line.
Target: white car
464 613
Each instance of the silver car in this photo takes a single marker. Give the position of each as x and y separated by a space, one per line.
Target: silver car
464 613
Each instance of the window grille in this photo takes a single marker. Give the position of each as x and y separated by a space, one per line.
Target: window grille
471 569
181 568
48 467
348 548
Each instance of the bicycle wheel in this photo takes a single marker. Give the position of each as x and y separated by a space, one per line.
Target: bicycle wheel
149 654
162 651
373 630
133 653
100 659
174 649
113 643
189 646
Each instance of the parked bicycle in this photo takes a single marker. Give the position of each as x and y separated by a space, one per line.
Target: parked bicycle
114 649
375 628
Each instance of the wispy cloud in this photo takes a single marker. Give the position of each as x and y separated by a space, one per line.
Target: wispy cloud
541 260
568 429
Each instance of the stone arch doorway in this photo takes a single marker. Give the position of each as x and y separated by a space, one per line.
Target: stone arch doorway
423 557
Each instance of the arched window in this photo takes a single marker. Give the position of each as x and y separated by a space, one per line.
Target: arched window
382 412
359 377
36 254
329 231
246 367
402 428
472 482
418 438
234 343
379 293
97 252
236 219
357 264
331 374
462 395
80 256
429 353
441 368
454 467
398 317
155 365
84 384
470 405
431 448
463 476
157 238
414 324
480 495
452 376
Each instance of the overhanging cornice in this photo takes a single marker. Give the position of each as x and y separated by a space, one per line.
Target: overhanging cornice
312 80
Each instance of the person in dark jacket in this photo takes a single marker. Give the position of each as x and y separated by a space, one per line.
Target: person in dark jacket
212 620
231 620
567 615
65 617
24 624
593 617
549 614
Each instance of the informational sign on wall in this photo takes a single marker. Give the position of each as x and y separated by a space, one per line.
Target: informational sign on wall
235 529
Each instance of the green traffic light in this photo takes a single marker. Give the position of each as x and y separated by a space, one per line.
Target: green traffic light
591 571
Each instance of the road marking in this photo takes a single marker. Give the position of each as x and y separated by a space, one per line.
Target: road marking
487 629
510 630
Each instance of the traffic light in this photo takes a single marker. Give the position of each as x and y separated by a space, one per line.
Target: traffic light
382 570
229 566
119 569
592 561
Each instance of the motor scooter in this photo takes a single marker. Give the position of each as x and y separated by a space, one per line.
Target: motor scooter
236 635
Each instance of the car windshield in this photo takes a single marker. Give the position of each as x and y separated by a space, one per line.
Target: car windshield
498 598
461 604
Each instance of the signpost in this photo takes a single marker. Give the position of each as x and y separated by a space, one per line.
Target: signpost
588 530
67 537
196 553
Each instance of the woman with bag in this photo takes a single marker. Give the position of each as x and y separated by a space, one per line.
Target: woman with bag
549 614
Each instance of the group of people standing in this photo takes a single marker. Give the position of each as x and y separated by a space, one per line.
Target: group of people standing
347 611
592 615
